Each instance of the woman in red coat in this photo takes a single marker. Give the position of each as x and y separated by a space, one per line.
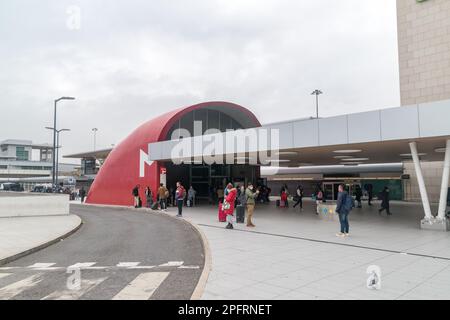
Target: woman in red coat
228 205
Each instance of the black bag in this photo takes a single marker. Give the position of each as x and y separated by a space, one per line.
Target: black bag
278 203
240 214
155 206
140 203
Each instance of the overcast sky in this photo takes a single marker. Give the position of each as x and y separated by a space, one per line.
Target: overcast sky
132 60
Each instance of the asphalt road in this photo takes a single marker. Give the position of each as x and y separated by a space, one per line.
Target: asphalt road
121 254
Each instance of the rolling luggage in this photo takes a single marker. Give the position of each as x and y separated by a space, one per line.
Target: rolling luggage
140 203
222 215
155 206
278 203
240 214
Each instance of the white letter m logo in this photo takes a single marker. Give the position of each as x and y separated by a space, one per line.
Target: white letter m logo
143 160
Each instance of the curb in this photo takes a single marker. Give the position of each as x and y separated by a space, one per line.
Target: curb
207 267
40 247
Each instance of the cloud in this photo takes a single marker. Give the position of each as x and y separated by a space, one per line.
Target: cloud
133 60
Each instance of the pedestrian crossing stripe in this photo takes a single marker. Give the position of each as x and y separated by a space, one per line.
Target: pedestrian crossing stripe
12 290
91 266
142 287
127 264
86 286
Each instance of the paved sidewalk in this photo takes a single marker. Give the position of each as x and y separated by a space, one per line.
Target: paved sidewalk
293 255
20 234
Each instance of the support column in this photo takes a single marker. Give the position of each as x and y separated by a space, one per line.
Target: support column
445 180
420 180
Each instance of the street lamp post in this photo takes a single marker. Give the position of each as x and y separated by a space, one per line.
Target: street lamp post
57 150
317 92
54 138
95 137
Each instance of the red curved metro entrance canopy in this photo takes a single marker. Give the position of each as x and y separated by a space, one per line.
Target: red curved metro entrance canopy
121 171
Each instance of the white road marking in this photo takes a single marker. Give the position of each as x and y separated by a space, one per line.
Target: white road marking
172 264
142 287
86 286
189 267
127 264
81 265
4 275
142 267
16 288
41 265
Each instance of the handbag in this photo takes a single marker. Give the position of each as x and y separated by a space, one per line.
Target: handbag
226 205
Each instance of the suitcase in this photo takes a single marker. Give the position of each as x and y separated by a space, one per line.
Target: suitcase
222 215
140 203
278 203
240 214
155 206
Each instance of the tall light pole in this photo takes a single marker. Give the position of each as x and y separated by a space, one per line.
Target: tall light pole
54 138
57 150
95 136
317 92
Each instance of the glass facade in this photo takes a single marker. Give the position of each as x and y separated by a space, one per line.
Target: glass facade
210 119
22 154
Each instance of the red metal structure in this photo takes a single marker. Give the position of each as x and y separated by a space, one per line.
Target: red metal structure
121 171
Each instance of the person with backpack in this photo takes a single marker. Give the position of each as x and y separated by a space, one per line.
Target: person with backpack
163 194
344 206
180 194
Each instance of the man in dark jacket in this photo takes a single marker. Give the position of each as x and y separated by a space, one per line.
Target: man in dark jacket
343 212
384 197
82 194
358 195
136 196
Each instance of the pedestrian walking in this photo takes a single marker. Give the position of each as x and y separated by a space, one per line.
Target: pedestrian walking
82 194
135 194
358 196
384 197
250 196
300 195
369 188
319 199
228 205
284 199
149 197
180 194
191 196
343 208
163 194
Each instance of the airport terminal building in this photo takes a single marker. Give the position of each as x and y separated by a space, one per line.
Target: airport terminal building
406 147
